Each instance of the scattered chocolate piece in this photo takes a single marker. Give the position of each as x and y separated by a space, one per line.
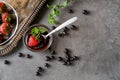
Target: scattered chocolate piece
40 69
50 49
53 27
38 74
71 59
21 55
85 12
71 11
68 56
69 63
75 57
60 34
48 58
66 29
68 59
65 63
29 56
6 62
52 57
66 50
61 59
74 27
47 65
64 33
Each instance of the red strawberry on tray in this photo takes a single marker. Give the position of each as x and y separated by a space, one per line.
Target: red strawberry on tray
6 17
32 42
5 28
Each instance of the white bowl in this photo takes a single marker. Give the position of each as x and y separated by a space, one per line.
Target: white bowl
14 30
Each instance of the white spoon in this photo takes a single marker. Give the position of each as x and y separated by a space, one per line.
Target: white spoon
68 22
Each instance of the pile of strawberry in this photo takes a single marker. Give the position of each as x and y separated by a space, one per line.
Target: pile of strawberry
5 22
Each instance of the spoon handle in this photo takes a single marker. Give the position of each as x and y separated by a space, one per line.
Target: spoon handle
68 22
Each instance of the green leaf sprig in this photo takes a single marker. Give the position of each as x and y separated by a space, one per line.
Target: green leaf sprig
55 10
37 31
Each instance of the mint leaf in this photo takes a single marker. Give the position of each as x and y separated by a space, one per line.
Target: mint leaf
55 10
65 4
51 19
52 6
42 30
35 31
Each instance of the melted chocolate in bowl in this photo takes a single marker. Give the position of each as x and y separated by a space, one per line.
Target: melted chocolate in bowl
44 43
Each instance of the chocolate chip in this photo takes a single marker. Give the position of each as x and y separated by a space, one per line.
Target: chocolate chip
29 56
52 57
50 49
71 11
38 74
75 57
40 69
60 34
20 55
47 65
53 27
48 58
66 50
74 27
69 63
66 29
85 12
65 63
71 59
6 62
61 59
64 33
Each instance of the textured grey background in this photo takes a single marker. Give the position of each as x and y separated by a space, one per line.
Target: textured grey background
97 42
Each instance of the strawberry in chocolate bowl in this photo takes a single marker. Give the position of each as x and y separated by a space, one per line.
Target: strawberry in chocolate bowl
34 40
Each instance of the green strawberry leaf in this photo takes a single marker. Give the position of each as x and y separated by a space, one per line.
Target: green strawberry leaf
8 18
42 30
35 31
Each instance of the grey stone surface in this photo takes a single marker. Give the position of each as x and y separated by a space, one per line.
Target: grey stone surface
97 42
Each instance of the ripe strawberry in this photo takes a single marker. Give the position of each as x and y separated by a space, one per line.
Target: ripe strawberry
5 28
32 42
3 7
6 17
